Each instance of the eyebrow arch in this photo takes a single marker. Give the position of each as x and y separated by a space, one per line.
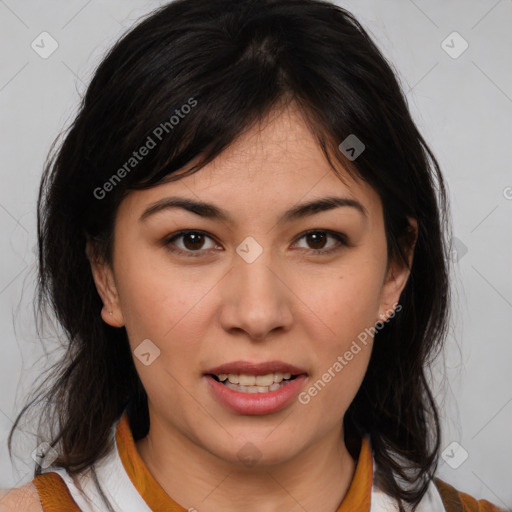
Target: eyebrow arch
211 211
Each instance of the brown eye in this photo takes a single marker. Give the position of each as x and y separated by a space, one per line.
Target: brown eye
317 240
193 241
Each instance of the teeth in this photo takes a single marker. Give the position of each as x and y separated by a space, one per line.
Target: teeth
254 381
246 380
264 380
255 389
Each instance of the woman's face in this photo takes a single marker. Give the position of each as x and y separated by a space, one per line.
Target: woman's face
251 290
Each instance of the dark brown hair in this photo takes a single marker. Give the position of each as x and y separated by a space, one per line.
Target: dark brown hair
238 60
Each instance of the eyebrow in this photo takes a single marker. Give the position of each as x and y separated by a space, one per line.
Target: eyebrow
210 211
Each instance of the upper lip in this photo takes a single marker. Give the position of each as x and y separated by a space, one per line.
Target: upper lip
251 368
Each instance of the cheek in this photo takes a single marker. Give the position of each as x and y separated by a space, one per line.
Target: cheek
348 300
341 364
164 306
171 309
157 300
347 305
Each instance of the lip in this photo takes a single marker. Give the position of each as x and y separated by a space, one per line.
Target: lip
256 403
252 368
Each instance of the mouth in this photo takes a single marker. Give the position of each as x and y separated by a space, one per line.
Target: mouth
255 388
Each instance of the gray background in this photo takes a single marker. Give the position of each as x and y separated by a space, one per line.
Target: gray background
462 105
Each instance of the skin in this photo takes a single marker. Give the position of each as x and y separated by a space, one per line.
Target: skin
24 498
290 304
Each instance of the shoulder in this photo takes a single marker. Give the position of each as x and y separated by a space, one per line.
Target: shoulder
458 501
24 498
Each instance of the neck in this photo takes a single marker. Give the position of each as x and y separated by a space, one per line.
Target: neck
317 478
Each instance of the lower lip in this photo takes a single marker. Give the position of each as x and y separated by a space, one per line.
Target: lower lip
256 403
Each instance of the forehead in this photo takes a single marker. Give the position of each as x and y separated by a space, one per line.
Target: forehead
279 150
276 163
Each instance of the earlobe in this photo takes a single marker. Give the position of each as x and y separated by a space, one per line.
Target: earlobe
112 316
106 287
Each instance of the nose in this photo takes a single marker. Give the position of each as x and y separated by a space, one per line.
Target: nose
256 298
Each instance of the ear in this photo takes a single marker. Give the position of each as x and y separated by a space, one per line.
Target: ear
397 274
105 285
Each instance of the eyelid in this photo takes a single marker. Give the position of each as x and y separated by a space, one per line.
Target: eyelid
340 237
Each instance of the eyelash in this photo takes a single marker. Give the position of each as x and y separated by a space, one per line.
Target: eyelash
340 237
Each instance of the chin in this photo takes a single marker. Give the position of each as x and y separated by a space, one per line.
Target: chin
258 450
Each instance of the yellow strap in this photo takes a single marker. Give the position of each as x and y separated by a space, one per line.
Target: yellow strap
456 501
54 493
